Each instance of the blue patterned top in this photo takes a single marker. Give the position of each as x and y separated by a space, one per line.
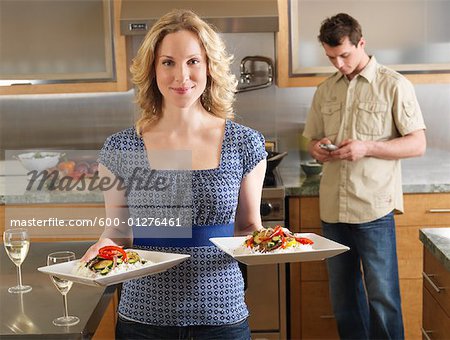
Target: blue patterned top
206 289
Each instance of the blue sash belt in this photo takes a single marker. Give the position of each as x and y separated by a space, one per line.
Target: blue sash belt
195 236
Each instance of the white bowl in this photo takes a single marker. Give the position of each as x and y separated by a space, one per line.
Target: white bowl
39 161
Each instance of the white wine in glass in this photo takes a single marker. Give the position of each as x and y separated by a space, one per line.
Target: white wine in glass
63 286
17 243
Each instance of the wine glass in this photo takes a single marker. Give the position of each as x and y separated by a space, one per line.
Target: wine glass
63 286
17 243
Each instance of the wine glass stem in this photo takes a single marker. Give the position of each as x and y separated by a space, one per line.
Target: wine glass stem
19 275
66 313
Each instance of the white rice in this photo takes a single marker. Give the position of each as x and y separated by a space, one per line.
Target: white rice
81 269
244 250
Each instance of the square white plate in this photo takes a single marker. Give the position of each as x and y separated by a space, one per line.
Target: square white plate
321 249
160 263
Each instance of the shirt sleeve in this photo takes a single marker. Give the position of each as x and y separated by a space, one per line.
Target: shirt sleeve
406 110
254 151
110 156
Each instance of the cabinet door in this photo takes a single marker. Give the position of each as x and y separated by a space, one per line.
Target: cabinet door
61 40
318 321
113 56
107 327
436 324
411 307
437 281
425 210
426 71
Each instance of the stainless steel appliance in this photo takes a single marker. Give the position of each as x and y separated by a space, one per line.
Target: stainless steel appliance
266 284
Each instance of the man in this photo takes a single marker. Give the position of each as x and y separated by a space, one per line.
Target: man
371 114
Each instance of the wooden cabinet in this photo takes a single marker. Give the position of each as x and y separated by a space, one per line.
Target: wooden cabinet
285 76
107 327
421 210
436 299
311 314
121 82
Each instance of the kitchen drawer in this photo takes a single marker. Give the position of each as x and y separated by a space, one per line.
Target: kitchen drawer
309 213
420 209
314 270
317 317
436 324
425 210
437 281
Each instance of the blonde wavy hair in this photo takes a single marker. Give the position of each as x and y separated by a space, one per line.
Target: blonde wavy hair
219 94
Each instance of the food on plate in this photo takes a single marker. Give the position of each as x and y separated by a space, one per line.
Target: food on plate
110 259
276 239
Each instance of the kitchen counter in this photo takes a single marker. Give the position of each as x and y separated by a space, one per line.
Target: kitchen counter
427 174
31 314
437 241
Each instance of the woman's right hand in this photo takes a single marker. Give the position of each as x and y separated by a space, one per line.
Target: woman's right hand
93 250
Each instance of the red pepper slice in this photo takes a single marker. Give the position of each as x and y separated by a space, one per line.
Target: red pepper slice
108 252
278 231
304 240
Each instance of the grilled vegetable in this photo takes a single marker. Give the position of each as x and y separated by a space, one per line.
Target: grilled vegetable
102 264
266 240
110 257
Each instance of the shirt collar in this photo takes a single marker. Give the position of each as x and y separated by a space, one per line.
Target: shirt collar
368 72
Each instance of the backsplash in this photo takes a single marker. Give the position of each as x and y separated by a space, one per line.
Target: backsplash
84 120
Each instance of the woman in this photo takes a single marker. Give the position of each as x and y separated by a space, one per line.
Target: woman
185 90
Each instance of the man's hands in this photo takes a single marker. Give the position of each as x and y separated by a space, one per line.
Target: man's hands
349 150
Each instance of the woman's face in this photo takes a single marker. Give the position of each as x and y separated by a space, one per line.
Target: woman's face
181 69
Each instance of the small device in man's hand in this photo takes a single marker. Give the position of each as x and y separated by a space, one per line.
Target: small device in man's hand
328 147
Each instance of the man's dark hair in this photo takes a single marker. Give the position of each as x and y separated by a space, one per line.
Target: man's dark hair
333 30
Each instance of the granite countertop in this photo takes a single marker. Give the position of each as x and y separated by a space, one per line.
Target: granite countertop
427 174
437 241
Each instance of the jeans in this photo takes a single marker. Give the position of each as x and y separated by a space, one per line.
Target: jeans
364 284
126 329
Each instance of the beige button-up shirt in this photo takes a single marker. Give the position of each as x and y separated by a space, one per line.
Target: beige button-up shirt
378 104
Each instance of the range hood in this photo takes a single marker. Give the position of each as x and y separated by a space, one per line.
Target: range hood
227 16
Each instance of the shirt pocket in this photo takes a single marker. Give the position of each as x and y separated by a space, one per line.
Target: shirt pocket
331 113
370 118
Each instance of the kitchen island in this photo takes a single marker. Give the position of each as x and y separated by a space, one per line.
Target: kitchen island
30 314
437 242
436 280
